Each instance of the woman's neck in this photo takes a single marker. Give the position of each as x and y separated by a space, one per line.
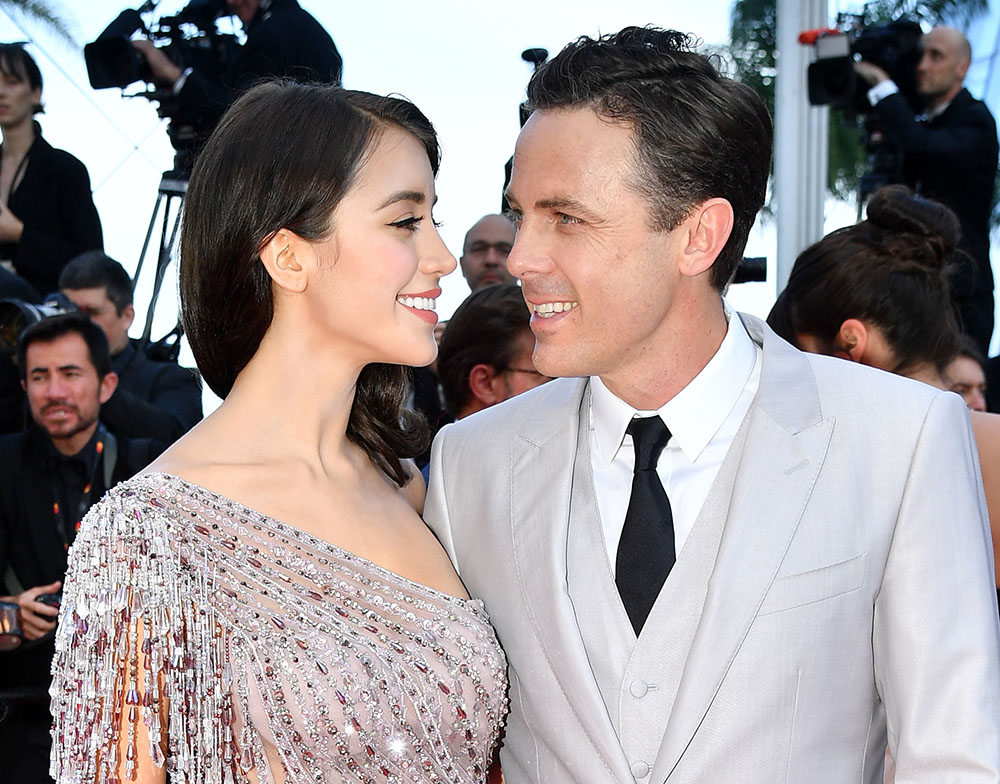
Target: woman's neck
17 140
927 373
307 398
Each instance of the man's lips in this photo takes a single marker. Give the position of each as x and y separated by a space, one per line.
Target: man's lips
58 409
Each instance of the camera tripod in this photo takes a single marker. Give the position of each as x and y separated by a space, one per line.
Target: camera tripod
169 201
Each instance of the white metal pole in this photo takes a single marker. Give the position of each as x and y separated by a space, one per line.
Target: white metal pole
800 140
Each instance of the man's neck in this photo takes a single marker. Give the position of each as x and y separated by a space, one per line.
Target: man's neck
74 444
937 104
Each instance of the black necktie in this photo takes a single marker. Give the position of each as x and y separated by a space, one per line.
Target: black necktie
646 548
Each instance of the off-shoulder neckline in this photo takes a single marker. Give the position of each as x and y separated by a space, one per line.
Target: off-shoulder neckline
319 542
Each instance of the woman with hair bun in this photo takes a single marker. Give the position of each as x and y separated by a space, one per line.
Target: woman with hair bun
877 293
265 604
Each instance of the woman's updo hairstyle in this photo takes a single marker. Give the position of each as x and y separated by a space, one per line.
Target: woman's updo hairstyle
890 270
282 157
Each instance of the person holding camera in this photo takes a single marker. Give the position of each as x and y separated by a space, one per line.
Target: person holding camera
281 40
949 155
47 212
50 475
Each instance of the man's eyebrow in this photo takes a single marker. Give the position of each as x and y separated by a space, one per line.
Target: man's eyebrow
417 197
560 203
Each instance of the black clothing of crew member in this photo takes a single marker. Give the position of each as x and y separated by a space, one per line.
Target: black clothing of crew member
34 538
952 158
54 202
12 408
282 40
159 400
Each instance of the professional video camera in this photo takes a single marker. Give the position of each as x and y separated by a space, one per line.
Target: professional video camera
832 81
190 38
894 47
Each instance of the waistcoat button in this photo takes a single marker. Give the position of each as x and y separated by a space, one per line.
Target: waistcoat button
640 769
638 688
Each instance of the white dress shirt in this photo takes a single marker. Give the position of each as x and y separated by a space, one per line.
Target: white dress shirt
703 419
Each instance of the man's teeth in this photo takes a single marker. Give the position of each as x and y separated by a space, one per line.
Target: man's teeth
419 303
549 309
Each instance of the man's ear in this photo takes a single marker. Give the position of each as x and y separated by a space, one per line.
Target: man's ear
107 387
128 313
708 228
852 340
283 256
485 385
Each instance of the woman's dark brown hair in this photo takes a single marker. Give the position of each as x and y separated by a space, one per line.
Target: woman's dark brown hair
283 157
890 270
15 61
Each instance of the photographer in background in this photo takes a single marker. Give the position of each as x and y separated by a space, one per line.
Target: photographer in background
153 399
949 155
50 475
47 212
282 40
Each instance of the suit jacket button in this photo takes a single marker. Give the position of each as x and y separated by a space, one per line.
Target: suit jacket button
640 769
638 688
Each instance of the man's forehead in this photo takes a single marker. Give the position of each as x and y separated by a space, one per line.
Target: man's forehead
65 350
941 40
571 145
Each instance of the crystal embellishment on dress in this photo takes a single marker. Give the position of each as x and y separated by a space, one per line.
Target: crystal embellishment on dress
267 650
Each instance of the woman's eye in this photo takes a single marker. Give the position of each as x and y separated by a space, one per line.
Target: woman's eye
409 224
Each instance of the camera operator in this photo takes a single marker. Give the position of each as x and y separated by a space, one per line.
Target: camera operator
949 155
281 40
153 399
49 476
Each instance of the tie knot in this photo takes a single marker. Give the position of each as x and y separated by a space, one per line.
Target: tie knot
649 435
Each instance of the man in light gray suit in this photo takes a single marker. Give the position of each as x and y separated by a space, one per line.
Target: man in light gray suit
710 558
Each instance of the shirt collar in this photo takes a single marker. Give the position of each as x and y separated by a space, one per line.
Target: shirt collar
695 414
85 459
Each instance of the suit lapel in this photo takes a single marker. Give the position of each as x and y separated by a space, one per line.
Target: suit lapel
786 445
542 478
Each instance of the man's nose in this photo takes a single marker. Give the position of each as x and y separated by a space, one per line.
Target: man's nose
527 256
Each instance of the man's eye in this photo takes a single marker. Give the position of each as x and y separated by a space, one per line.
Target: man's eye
514 216
567 219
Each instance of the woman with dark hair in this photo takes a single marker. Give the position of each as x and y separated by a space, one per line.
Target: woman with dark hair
47 213
265 604
877 293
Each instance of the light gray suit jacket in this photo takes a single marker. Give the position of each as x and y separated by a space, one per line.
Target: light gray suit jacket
850 603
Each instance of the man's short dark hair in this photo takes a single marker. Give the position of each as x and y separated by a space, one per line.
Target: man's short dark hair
483 330
95 269
54 327
698 135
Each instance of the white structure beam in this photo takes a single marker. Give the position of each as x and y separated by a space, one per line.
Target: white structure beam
800 148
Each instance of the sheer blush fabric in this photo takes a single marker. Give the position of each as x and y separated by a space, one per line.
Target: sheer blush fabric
269 654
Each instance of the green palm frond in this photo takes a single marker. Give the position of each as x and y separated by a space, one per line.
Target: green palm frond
43 11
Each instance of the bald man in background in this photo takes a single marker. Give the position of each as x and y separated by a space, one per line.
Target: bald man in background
949 155
484 253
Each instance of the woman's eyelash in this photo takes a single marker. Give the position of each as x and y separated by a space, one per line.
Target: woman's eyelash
410 224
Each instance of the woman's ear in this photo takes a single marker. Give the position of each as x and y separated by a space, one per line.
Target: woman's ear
284 256
852 340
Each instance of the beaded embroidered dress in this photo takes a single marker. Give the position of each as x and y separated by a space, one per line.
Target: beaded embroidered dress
273 655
